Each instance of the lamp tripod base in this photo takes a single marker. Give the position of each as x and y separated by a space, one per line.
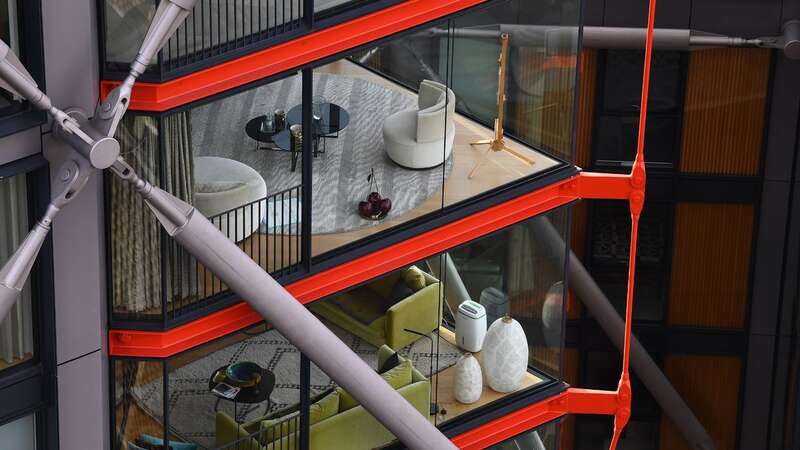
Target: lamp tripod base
497 145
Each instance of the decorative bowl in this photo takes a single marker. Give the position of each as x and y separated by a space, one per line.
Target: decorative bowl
243 374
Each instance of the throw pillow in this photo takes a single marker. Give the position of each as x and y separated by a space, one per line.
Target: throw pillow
414 278
328 406
274 429
397 377
390 363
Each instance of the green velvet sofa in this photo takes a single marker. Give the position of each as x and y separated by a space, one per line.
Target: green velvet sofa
370 313
348 428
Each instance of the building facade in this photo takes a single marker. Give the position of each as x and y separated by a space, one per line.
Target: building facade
332 142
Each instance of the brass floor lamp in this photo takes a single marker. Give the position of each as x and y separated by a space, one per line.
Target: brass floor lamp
497 143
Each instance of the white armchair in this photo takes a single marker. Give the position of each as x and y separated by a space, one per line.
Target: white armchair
422 138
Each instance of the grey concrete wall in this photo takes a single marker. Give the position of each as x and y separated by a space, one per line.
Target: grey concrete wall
72 80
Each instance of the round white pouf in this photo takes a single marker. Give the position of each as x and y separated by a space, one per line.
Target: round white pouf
226 186
469 379
505 355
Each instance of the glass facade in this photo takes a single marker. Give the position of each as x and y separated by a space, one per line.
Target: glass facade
17 343
409 325
10 33
544 437
20 433
390 144
184 394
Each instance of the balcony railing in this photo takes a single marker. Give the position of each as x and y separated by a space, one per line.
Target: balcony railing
267 229
217 30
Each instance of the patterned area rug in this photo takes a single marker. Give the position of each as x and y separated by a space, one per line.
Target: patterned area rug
340 174
191 406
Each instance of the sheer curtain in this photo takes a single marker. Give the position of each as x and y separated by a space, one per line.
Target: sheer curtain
16 331
136 247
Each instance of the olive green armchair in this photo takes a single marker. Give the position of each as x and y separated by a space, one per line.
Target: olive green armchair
334 422
370 313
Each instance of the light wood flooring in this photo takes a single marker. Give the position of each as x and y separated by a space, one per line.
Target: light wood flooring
498 169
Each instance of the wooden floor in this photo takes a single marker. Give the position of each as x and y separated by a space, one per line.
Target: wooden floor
498 169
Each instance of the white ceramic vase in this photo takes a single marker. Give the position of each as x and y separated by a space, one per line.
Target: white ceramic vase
505 355
468 379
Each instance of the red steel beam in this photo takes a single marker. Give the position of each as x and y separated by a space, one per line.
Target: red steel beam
572 401
288 55
166 343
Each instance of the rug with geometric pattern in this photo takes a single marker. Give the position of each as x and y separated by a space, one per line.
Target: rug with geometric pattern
191 406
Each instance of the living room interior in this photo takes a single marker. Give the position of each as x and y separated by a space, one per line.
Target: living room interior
417 326
396 128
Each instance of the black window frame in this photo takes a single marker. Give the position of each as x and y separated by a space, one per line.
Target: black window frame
30 386
31 54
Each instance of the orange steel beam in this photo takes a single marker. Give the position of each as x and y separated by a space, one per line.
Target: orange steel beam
170 342
572 401
288 55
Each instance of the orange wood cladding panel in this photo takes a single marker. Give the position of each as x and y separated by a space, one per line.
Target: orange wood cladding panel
583 146
710 386
570 372
586 100
710 264
723 120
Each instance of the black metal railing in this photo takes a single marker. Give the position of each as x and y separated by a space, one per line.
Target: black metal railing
284 435
217 30
217 27
268 230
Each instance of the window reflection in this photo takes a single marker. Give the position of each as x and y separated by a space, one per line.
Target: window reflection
16 330
544 437
433 317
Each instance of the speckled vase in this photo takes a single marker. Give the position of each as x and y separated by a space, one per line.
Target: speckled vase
468 379
505 355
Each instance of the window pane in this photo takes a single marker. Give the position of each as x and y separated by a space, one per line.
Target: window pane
16 330
265 369
544 437
19 434
137 392
434 315
10 34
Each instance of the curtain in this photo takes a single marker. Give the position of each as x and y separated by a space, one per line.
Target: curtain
136 246
16 331
182 268
135 234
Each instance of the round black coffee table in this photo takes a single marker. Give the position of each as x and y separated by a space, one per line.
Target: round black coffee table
333 118
253 129
258 393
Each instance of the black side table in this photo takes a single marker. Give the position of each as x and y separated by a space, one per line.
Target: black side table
253 130
258 393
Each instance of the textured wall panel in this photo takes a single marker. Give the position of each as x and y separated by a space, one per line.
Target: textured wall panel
710 264
710 386
723 121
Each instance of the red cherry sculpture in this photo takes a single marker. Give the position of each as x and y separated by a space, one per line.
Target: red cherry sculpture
385 205
365 209
374 197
